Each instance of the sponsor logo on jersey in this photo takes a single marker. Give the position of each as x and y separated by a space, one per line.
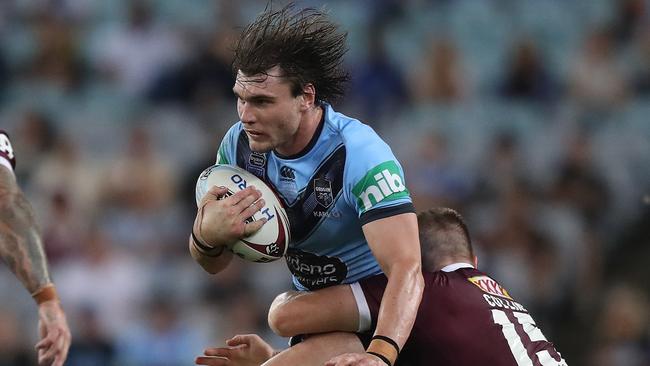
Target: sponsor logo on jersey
315 271
334 214
257 159
323 192
287 173
382 183
287 184
256 163
490 286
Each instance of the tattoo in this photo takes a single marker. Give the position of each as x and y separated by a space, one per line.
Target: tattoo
20 241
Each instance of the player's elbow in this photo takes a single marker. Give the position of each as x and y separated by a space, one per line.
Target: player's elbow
283 319
280 324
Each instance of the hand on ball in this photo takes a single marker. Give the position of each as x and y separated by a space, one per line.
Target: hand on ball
222 219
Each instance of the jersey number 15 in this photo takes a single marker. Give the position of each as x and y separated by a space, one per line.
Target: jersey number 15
526 324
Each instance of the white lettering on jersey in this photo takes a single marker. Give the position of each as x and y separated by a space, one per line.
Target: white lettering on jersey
519 352
386 184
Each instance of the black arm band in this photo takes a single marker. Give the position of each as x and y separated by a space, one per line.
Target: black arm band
382 357
206 249
387 340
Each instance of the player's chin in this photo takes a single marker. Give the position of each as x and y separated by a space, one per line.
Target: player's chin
260 146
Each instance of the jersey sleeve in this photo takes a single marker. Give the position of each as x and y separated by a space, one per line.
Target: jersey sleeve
7 157
374 179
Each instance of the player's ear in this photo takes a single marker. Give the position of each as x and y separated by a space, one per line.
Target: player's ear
308 96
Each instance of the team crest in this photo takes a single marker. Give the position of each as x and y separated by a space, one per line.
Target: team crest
257 159
490 286
323 192
256 163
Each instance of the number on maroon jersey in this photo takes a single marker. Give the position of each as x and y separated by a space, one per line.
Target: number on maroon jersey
525 324
6 151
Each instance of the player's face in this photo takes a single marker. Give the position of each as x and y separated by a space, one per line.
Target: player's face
270 113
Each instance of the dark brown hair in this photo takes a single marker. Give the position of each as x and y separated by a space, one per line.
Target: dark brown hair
443 236
305 44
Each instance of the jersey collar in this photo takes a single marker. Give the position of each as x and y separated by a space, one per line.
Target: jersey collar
455 266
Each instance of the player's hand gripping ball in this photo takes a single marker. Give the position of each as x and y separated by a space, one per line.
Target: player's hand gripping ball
272 240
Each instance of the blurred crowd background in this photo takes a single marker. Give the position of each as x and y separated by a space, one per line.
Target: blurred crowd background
530 117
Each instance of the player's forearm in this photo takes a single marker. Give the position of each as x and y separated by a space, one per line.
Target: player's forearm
210 264
400 302
20 241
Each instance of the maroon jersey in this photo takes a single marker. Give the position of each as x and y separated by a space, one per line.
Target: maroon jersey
465 319
7 157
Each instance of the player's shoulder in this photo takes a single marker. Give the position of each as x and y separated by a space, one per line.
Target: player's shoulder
365 148
354 133
373 175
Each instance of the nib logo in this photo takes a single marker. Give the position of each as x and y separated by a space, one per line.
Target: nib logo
383 182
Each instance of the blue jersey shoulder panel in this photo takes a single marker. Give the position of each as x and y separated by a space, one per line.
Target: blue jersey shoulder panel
374 178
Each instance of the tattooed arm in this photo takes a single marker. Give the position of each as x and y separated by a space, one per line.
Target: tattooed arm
20 242
22 250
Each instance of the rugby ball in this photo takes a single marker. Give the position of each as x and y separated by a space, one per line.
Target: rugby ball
271 241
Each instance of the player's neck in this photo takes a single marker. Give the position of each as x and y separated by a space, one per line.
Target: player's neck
305 133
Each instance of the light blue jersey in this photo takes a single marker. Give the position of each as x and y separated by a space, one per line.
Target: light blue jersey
346 177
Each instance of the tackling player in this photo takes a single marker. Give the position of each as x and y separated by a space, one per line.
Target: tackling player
466 318
21 249
350 212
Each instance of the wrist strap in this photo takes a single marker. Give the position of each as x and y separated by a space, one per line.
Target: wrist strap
206 249
387 340
384 348
45 293
382 357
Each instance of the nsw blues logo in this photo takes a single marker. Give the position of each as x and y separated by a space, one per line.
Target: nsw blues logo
256 164
323 192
